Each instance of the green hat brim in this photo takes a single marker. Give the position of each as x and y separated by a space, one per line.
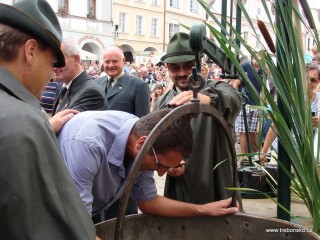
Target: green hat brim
178 59
15 17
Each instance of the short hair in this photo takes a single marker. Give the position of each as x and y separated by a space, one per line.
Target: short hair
71 47
11 39
144 69
313 66
152 65
178 136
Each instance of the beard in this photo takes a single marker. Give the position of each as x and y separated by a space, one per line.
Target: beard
182 83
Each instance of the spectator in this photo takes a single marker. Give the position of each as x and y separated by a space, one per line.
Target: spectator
38 197
315 50
200 183
127 68
99 149
252 69
204 70
151 72
123 92
158 91
160 80
79 92
313 72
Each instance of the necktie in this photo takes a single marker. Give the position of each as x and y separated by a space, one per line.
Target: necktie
109 86
62 94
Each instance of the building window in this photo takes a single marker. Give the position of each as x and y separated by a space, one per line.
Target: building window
173 28
194 6
62 7
175 3
245 36
154 2
258 44
154 27
122 22
91 9
139 20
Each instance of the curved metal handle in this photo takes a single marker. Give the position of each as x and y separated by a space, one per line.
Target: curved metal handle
194 108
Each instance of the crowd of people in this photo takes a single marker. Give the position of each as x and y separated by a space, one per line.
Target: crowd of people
73 162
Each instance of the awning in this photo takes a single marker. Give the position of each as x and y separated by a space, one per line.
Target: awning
85 55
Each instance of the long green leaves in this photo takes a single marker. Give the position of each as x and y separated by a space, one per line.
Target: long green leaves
289 77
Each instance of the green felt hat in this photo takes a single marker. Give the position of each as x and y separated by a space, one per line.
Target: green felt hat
37 18
178 49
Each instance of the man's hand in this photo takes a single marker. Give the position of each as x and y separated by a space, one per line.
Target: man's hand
58 120
219 208
186 96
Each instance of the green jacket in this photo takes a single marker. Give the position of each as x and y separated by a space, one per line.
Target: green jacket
38 199
200 183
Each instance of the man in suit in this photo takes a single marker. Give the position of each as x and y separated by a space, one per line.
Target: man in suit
123 92
79 91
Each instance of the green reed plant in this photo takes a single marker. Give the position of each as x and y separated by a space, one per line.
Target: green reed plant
293 123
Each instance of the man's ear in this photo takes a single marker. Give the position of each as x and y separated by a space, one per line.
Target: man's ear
30 48
77 59
140 142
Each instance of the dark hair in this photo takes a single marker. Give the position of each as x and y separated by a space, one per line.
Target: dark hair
178 136
11 39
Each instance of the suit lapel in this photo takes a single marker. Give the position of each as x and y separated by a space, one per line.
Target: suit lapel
117 87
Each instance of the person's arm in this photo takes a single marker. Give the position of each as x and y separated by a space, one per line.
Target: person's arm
165 207
270 137
90 99
236 83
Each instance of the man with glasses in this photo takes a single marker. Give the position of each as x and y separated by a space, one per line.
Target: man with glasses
201 182
99 148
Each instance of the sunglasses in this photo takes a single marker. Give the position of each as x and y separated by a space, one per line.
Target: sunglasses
175 68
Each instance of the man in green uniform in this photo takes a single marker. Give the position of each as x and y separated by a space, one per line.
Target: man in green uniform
38 197
200 183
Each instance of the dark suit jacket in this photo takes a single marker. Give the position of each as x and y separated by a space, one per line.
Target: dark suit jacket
129 94
82 95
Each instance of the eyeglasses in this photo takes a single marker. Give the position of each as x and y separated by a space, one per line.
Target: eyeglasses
160 167
165 168
175 68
